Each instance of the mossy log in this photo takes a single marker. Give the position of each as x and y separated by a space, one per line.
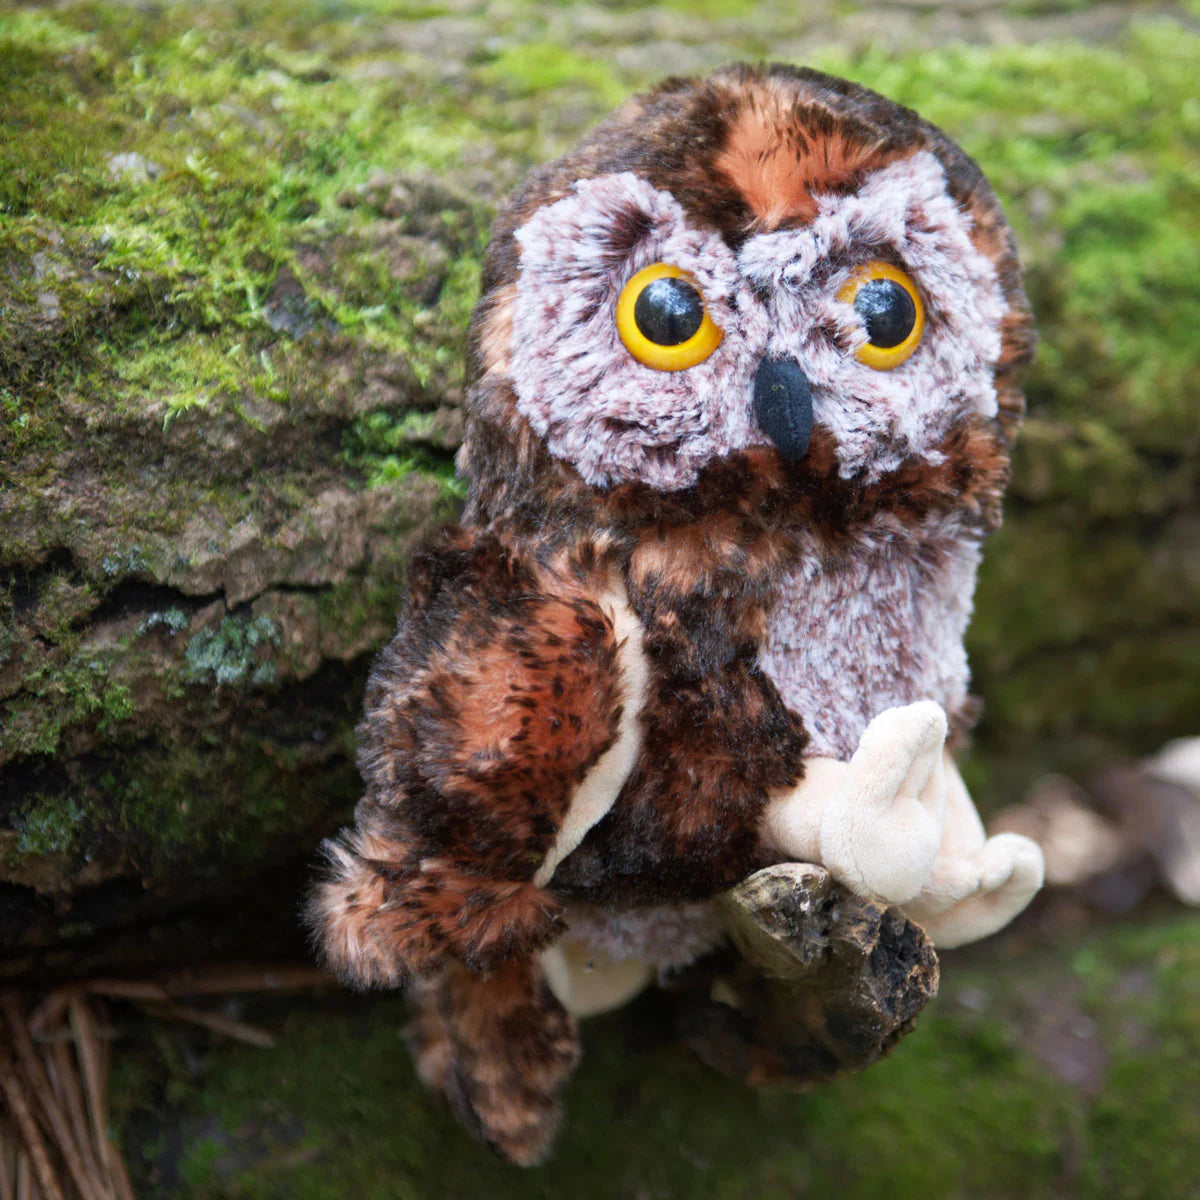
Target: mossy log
238 250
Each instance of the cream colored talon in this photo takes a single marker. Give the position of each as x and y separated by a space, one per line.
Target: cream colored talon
897 824
881 828
973 898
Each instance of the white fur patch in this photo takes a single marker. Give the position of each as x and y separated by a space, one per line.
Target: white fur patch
791 823
668 935
879 626
603 783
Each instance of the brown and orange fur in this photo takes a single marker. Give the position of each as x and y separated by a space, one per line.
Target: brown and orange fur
501 688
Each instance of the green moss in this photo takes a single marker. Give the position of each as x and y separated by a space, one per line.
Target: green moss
225 809
537 68
60 692
48 825
389 448
964 1107
1143 1128
201 1164
242 149
40 32
443 357
206 813
9 638
362 607
116 704
16 418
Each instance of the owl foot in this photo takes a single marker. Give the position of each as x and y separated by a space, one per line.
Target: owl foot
970 897
882 826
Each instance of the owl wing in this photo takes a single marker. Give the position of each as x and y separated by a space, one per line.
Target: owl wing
499 691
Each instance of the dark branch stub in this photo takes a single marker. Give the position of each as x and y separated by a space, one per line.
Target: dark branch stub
818 981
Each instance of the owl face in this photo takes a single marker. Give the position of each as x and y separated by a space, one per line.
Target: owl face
781 298
611 416
779 256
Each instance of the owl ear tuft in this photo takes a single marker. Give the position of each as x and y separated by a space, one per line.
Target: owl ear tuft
596 227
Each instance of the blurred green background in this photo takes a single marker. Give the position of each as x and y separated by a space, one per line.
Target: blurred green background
239 244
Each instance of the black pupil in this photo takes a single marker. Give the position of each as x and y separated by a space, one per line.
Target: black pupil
887 311
668 311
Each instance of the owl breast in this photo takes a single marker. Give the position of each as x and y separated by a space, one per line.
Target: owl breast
878 624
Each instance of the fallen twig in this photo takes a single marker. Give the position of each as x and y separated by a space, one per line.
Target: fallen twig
54 1063
36 1081
18 1105
239 1031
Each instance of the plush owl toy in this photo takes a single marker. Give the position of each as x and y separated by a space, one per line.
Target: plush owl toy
743 391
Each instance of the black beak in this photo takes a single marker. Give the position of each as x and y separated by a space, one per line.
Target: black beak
783 406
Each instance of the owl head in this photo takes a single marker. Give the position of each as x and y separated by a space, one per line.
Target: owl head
766 275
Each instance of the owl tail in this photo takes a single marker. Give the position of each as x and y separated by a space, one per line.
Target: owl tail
499 1047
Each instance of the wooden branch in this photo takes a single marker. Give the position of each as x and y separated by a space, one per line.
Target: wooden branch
71 1097
251 978
251 1035
37 1082
88 1049
35 1148
818 981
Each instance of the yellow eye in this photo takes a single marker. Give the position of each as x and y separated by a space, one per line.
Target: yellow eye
662 319
890 307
